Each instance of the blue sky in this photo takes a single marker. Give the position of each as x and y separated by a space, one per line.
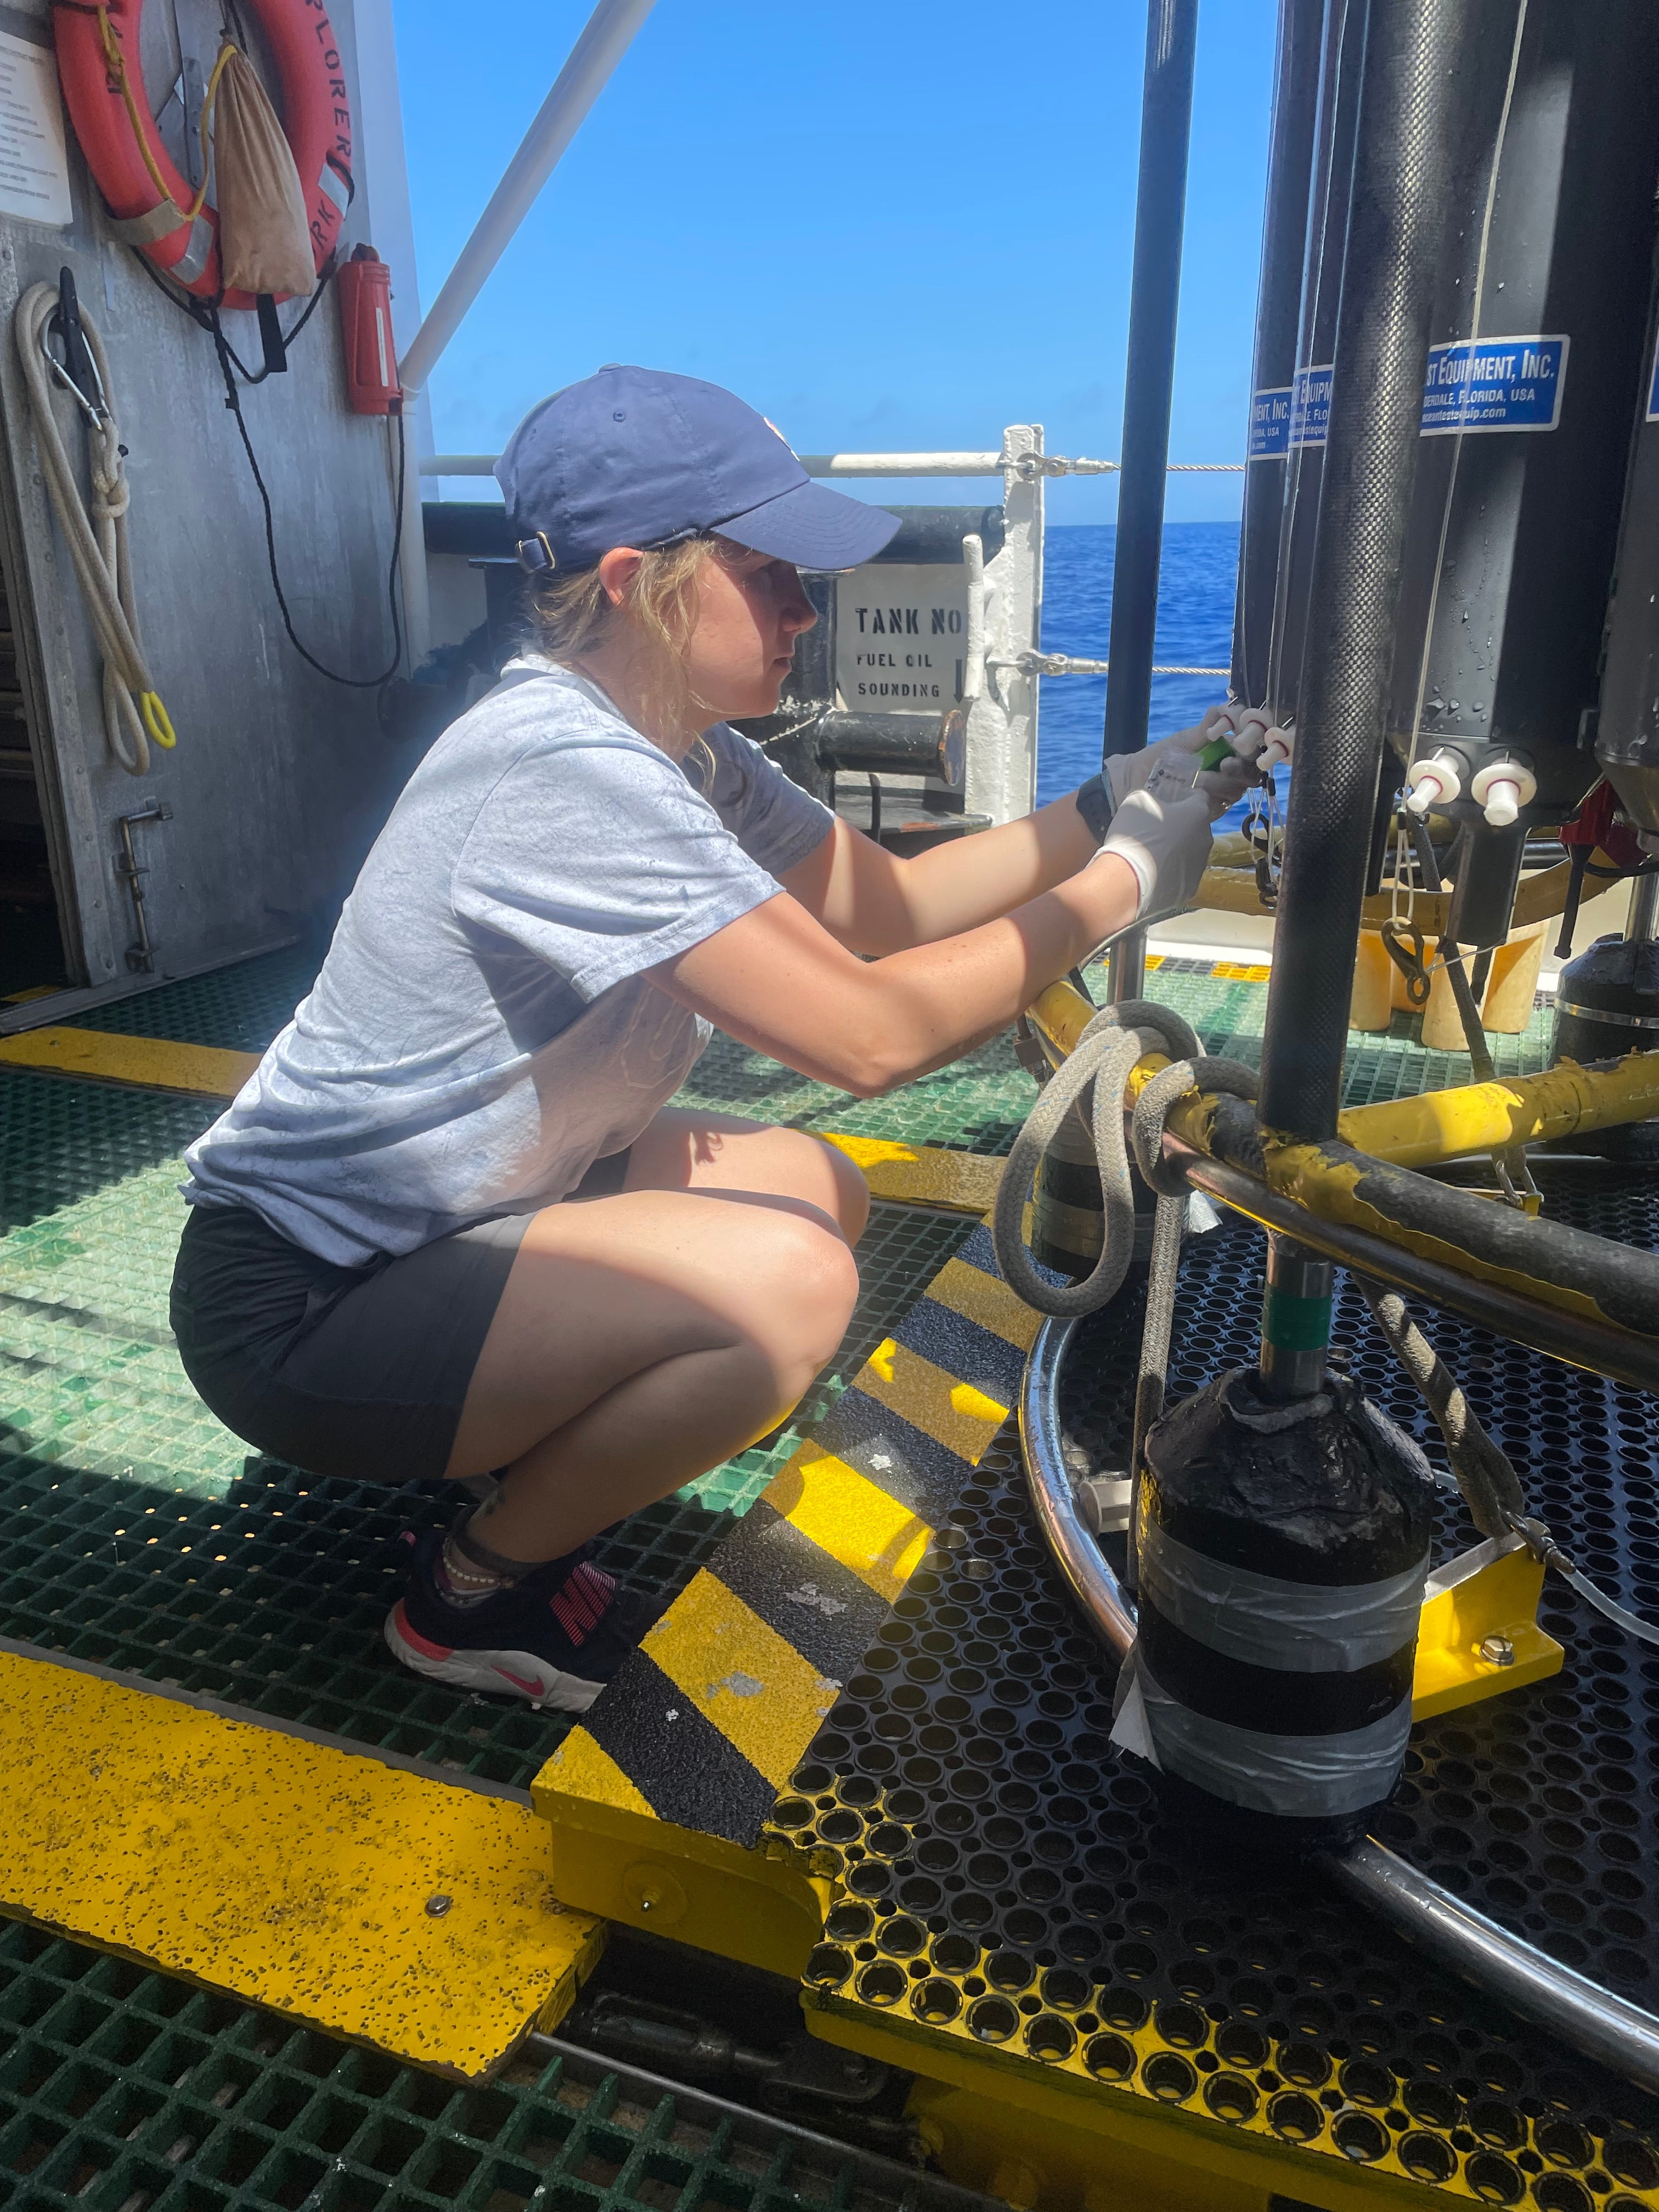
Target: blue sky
888 223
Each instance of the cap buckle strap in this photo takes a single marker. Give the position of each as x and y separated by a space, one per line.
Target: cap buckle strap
535 554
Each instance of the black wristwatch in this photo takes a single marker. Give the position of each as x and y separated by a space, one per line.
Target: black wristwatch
1094 803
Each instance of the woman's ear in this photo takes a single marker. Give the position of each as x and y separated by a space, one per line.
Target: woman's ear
617 569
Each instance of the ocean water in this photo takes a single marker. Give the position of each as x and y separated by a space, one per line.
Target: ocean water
1194 626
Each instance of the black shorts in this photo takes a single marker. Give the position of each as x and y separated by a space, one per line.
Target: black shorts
358 1373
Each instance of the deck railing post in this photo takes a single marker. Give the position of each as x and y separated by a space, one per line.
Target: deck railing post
1166 117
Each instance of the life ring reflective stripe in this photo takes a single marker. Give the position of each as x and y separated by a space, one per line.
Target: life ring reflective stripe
316 117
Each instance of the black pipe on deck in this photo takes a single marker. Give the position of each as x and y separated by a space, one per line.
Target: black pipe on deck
1278 310
1166 118
1408 112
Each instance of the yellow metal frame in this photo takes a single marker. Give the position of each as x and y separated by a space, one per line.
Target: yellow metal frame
764 1906
1424 1131
1478 1634
1053 2137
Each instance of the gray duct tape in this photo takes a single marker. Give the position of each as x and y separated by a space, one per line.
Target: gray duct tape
160 222
1297 1776
194 258
144 230
1301 1628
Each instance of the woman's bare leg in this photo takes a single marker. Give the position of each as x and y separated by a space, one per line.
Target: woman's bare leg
642 1339
685 1150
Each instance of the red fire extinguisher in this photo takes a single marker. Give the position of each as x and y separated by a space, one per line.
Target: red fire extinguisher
371 356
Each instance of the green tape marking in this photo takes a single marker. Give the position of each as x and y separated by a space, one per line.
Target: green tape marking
1295 1324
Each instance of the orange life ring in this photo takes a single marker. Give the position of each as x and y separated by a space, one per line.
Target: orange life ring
316 117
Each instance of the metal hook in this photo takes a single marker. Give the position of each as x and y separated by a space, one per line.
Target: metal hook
78 372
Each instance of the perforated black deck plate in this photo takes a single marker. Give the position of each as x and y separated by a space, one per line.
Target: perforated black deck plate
1016 1884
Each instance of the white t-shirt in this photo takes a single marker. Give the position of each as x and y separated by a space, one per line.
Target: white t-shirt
483 1029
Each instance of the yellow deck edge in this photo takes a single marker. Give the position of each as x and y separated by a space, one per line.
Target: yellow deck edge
375 1903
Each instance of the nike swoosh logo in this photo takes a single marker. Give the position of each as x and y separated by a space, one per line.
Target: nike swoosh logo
531 1689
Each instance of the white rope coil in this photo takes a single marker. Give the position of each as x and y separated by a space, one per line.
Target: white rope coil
94 529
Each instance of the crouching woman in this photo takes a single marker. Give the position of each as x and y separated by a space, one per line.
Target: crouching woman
451 1228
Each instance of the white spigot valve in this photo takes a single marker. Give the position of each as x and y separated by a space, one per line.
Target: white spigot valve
1501 789
1280 747
1432 782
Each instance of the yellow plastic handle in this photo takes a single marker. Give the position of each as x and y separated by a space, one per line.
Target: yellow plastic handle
157 719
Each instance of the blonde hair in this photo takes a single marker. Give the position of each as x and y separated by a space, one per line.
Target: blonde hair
573 615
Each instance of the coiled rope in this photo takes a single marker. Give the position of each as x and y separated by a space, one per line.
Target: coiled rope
1104 1057
94 530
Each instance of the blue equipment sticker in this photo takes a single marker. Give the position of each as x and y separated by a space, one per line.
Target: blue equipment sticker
1270 424
1494 384
1310 407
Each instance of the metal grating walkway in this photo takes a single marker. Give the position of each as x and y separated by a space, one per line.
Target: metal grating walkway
122 2091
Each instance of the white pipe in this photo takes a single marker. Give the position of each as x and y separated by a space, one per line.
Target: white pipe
602 45
816 464
833 465
973 665
901 465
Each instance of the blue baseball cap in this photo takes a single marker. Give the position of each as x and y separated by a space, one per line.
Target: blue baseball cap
637 457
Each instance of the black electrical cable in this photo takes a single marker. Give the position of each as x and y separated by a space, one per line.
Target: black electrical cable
233 400
204 313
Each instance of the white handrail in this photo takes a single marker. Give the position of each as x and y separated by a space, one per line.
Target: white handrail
869 464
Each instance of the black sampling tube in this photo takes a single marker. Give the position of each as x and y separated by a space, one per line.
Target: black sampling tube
1407 115
1278 311
1166 118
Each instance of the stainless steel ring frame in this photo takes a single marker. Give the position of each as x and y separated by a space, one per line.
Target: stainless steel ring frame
1592 2019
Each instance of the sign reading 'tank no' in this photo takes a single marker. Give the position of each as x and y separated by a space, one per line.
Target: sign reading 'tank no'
901 632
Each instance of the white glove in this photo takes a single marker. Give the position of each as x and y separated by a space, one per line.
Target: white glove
1255 745
1162 832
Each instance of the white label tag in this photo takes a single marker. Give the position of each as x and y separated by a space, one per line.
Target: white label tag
34 162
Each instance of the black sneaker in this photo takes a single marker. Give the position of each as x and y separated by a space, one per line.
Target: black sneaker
556 1638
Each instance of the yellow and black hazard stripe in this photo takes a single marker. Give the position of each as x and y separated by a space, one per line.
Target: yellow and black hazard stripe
705 1724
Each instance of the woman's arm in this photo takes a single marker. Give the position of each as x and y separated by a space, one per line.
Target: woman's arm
779 981
872 901
875 902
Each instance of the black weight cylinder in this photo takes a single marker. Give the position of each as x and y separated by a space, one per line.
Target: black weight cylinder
1068 1209
1607 1001
1282 1550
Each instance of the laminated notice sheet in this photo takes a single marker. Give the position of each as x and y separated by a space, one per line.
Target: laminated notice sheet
34 163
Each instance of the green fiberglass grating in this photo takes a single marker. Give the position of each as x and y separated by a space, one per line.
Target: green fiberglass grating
974 1105
63 1141
122 2091
240 1008
136 1531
